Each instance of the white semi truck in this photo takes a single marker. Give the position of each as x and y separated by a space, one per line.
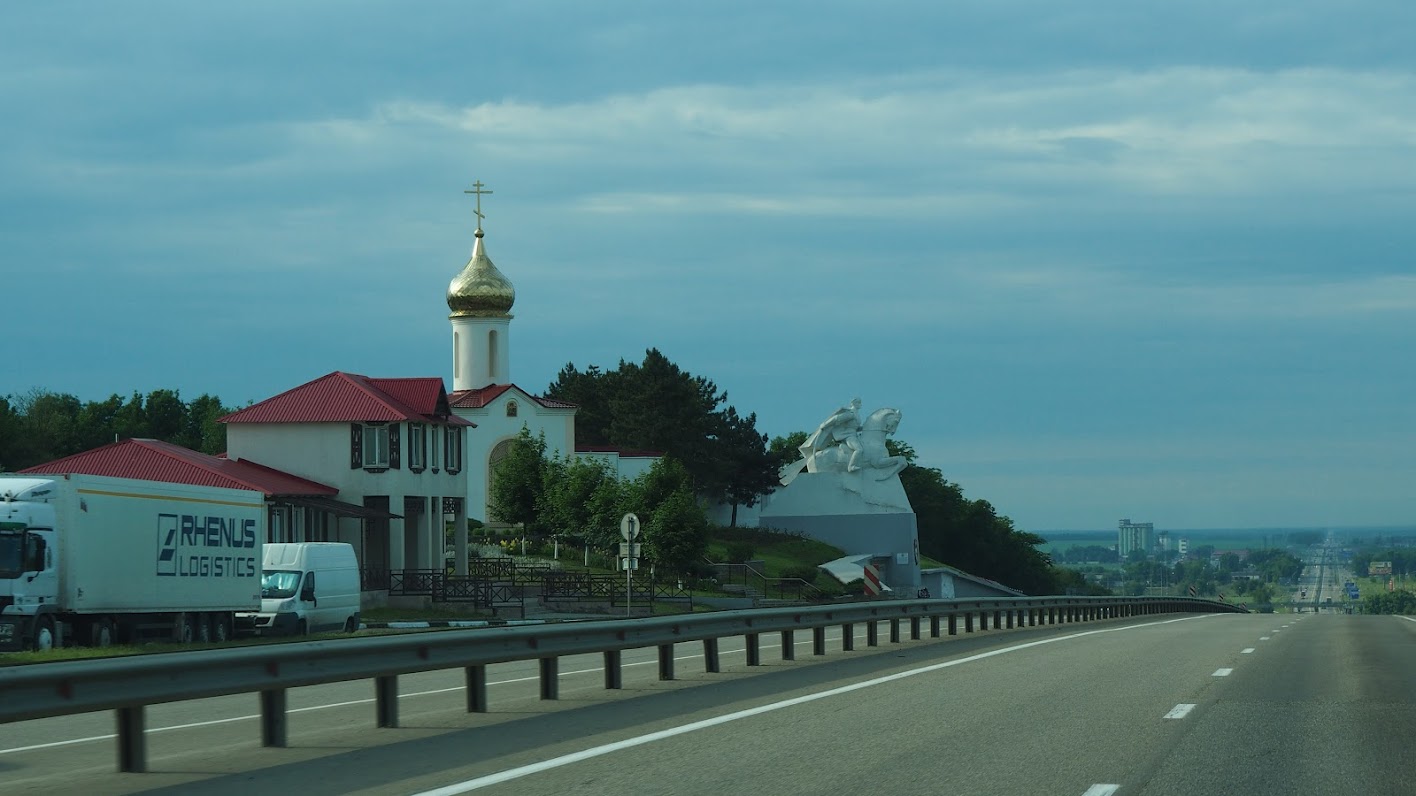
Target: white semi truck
92 560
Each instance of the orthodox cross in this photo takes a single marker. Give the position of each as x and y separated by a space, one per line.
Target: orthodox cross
477 189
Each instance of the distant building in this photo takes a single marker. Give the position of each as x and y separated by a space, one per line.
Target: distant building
1162 541
1133 536
1183 546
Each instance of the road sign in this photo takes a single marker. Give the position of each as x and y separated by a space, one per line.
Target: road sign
629 549
1192 590
629 563
629 527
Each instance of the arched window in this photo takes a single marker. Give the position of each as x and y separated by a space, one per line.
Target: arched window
492 356
511 408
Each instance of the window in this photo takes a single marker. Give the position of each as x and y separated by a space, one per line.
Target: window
452 453
511 408
417 447
437 448
375 447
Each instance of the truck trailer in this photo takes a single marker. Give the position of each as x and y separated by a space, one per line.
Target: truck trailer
93 560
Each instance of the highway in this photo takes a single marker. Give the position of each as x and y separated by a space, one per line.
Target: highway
1214 704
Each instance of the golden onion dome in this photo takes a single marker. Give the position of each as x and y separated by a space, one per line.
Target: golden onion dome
480 291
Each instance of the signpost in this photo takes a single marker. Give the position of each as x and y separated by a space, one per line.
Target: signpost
629 555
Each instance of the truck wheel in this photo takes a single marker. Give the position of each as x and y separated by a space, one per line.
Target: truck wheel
203 629
103 633
44 634
220 628
183 630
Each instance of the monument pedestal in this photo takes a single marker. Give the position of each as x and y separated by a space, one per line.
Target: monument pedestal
856 513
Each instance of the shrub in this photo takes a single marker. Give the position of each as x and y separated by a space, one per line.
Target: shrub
740 552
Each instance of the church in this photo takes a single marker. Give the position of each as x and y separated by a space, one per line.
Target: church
479 300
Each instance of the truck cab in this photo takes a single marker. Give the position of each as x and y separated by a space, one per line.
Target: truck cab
29 576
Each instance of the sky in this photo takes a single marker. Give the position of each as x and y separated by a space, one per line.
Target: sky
1109 259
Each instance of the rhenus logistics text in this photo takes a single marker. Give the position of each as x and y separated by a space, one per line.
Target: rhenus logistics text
196 546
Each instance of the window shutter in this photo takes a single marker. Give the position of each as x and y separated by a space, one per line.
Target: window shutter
394 446
356 446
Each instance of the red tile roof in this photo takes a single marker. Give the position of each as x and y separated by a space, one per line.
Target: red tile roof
154 460
478 398
348 397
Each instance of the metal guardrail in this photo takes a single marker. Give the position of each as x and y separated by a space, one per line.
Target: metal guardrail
129 684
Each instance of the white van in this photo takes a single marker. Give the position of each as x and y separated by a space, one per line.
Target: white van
306 587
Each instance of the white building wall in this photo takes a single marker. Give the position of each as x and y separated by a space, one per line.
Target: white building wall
481 352
495 427
320 452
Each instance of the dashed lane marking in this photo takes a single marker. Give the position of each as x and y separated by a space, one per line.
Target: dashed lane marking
1180 711
1223 672
1246 651
1101 790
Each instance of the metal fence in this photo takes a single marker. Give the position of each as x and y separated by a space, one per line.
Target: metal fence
128 685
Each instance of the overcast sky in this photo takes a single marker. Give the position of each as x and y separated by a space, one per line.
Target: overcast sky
1110 259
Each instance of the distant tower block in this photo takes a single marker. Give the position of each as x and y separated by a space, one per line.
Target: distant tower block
1133 536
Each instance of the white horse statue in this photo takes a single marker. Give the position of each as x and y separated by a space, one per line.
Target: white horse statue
842 443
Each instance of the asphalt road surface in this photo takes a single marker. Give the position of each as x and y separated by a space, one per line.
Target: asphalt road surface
1192 705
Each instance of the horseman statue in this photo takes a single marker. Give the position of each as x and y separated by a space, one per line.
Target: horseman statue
845 444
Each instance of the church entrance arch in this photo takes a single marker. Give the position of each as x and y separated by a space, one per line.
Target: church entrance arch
499 451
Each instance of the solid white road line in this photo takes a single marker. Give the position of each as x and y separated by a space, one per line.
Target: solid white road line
1101 790
1223 672
1180 711
640 740
1246 651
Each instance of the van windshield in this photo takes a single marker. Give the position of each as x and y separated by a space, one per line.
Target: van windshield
279 583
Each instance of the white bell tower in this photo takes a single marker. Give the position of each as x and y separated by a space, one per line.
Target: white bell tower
480 298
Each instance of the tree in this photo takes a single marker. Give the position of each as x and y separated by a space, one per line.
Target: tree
676 535
518 481
751 470
572 498
656 405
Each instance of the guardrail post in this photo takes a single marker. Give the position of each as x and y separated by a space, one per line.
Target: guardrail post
386 700
754 650
872 634
1010 613
894 630
997 619
818 641
710 655
550 678
847 637
666 661
614 675
914 628
1032 617
934 622
132 742
968 622
953 624
476 677
273 718
788 645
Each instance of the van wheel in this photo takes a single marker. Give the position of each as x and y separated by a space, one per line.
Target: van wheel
44 634
351 625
